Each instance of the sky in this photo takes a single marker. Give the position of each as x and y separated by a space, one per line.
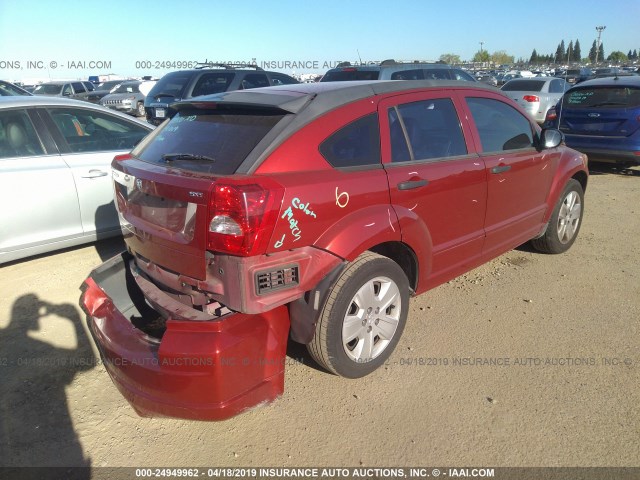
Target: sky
143 37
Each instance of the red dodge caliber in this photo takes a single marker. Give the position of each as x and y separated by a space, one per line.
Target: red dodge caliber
312 211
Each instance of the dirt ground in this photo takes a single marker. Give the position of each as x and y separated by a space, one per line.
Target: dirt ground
562 332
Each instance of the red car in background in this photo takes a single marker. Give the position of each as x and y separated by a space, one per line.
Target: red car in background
314 210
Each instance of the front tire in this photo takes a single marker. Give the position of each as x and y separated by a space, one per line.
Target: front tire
140 110
564 224
363 317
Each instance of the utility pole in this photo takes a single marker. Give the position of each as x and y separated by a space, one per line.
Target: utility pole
599 29
481 44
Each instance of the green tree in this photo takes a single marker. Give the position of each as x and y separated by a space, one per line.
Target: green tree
570 57
481 56
560 52
577 54
601 53
501 57
450 58
592 52
534 57
617 57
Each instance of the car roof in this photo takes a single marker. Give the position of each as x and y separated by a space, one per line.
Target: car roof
40 100
325 95
395 65
621 81
46 101
60 82
312 100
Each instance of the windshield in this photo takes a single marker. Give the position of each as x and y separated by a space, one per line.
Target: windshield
612 97
207 141
48 89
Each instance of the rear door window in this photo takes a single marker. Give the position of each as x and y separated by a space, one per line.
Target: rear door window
207 141
85 130
18 138
425 130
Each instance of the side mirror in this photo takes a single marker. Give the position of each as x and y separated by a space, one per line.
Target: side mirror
551 138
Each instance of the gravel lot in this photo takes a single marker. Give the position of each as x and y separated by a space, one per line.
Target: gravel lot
530 360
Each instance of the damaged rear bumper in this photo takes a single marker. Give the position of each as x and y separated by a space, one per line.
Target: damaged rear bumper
195 369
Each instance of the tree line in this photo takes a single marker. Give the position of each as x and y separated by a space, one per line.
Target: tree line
571 53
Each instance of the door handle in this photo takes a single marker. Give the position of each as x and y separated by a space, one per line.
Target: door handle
411 184
95 174
501 168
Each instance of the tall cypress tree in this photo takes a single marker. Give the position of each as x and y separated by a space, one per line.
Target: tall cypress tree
534 57
592 52
560 52
570 52
577 54
601 56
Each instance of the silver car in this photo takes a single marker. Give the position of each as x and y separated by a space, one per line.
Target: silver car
536 95
126 97
55 172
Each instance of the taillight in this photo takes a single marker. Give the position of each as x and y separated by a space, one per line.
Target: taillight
551 115
242 218
531 98
122 158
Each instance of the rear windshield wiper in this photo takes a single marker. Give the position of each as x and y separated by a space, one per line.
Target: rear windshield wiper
158 95
169 157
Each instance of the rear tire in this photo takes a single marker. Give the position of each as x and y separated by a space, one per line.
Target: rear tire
564 224
140 110
363 317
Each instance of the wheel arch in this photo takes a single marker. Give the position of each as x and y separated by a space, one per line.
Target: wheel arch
404 256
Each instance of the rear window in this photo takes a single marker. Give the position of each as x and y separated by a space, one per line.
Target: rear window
606 97
222 140
524 86
350 74
171 85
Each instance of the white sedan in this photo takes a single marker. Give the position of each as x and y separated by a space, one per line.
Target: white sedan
56 189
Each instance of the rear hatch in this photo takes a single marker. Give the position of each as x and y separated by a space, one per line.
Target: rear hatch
168 187
601 110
